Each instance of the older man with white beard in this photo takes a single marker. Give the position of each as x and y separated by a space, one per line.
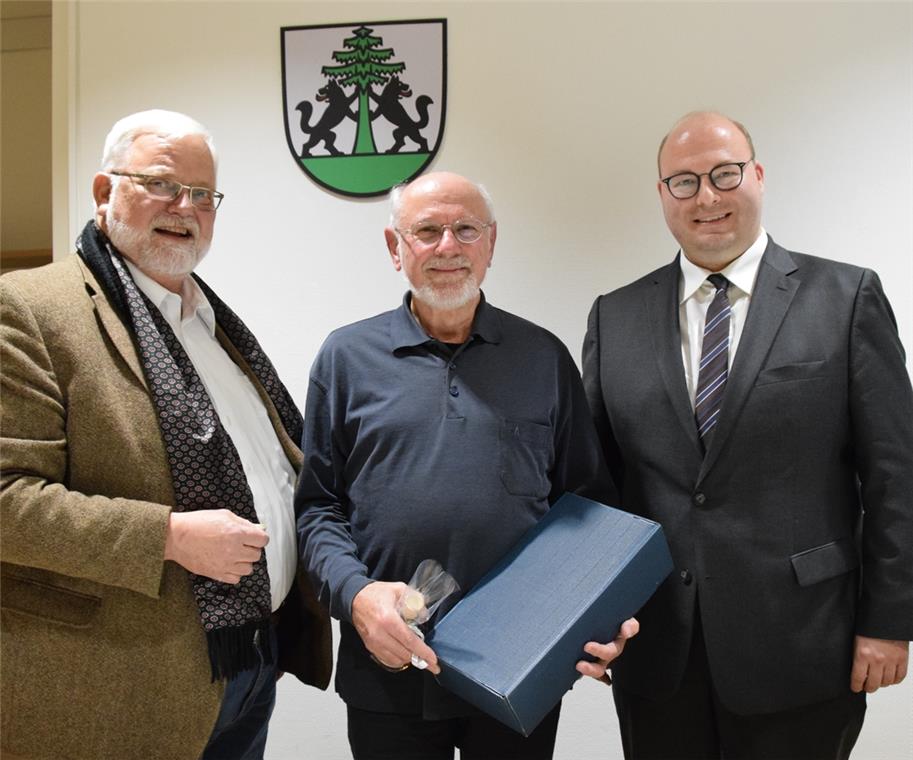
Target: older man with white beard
148 459
443 429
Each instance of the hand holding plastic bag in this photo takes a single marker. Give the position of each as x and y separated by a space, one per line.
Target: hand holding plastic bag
430 585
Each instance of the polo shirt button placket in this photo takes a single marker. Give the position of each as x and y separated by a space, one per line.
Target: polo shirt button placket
451 371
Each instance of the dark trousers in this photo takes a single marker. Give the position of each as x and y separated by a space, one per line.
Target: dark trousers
694 725
240 730
389 736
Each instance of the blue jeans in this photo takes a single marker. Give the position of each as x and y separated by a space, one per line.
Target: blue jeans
240 730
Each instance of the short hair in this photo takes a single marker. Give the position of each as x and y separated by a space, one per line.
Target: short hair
396 199
167 124
738 125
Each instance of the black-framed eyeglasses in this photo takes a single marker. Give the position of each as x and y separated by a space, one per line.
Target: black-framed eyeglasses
169 190
464 230
723 177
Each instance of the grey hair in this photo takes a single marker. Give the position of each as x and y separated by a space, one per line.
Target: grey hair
396 199
168 124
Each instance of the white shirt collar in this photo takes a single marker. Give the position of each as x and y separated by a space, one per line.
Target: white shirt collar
741 272
171 304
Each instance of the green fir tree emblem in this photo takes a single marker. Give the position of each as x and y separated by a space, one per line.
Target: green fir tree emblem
363 65
366 88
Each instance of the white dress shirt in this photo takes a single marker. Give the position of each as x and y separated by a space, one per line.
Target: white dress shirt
269 473
695 295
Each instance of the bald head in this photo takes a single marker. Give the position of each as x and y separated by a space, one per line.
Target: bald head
698 120
444 187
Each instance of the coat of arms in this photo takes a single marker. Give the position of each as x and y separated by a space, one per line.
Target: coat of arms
364 103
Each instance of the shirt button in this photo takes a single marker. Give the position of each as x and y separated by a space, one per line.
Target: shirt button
454 391
699 499
686 577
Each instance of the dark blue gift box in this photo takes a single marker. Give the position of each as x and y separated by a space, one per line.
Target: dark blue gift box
510 645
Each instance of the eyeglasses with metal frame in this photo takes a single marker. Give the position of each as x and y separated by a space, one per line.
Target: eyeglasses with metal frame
169 190
727 176
464 230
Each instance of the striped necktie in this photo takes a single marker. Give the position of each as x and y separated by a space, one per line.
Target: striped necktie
714 367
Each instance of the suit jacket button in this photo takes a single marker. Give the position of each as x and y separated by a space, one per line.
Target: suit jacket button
699 499
686 577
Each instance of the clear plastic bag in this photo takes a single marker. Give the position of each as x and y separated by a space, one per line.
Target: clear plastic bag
430 585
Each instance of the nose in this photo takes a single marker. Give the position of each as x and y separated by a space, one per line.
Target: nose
707 194
183 200
448 241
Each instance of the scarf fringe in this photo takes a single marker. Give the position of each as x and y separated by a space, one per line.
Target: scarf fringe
232 650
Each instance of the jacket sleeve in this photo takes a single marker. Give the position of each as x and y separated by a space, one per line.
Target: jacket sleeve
881 410
592 384
325 545
46 525
579 464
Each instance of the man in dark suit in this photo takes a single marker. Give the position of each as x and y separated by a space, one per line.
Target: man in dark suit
766 420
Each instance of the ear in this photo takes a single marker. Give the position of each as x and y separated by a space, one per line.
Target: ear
659 188
759 173
392 247
101 192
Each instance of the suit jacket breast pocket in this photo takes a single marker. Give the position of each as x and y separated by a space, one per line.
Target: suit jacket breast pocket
793 372
525 452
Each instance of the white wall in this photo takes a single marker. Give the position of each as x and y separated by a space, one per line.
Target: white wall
557 107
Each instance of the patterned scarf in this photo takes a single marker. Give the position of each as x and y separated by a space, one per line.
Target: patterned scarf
206 470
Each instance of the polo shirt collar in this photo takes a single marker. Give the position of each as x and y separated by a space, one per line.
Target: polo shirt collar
405 331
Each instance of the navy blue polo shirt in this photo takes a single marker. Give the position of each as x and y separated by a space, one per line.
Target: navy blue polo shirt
416 449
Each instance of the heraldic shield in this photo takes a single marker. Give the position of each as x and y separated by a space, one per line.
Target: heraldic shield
364 103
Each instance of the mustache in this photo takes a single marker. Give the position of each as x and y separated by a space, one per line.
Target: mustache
447 261
173 221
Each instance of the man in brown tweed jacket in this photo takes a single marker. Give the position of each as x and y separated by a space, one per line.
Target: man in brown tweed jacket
148 600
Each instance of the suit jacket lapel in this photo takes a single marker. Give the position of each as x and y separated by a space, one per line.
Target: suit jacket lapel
773 292
123 342
665 334
112 325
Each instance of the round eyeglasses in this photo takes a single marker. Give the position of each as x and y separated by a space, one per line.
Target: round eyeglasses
169 190
430 233
723 177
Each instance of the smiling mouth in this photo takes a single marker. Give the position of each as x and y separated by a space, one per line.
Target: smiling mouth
438 270
177 233
714 219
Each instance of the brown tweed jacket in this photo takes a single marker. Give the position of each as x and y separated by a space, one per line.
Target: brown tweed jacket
103 653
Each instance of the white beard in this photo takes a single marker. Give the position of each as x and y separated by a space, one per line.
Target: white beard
152 254
446 297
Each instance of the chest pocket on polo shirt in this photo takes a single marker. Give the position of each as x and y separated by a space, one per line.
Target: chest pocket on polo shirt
526 453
